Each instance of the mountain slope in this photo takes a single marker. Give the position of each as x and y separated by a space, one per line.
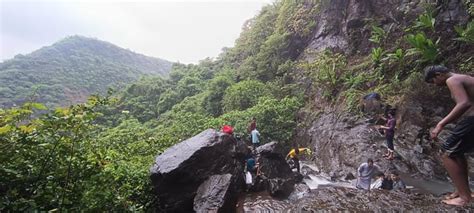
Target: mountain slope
70 70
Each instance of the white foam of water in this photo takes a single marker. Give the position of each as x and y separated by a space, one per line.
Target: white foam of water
314 182
311 166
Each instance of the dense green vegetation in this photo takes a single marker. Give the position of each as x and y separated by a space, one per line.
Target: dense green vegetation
70 70
95 156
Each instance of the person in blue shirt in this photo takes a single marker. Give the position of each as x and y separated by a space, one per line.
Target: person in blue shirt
255 138
251 164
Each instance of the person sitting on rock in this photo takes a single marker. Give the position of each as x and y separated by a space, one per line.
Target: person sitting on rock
365 173
398 184
382 181
387 182
377 184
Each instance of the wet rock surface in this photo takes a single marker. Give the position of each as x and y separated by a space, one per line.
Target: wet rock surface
277 174
214 195
181 169
345 199
318 193
341 142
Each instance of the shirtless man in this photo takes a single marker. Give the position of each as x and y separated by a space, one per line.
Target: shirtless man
461 139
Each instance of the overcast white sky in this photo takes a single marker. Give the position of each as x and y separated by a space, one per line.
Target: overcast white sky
185 30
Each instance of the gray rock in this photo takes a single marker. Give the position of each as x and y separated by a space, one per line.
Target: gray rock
214 195
276 171
272 148
180 170
349 176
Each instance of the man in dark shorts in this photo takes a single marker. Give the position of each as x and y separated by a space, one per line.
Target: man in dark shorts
461 139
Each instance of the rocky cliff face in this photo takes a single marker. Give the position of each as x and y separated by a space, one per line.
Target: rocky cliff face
346 25
342 140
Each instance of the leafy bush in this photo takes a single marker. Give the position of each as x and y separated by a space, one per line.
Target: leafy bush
276 119
377 35
397 56
425 21
470 6
423 46
243 95
325 72
466 34
215 93
376 55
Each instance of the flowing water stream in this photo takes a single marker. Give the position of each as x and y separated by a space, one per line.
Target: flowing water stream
314 181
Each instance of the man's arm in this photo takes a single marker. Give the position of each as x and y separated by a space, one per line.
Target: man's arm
360 169
462 105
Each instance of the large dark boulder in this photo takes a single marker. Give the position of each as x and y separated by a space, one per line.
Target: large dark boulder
280 178
181 169
215 195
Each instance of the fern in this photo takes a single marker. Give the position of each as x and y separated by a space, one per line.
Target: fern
376 55
466 34
378 34
425 21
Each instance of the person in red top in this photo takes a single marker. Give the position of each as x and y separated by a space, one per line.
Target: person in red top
252 126
389 129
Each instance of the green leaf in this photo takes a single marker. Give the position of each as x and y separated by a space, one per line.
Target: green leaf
5 129
38 106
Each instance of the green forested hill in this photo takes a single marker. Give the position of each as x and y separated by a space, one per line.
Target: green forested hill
70 70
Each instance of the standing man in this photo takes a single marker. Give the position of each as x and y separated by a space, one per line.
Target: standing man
255 138
365 173
461 139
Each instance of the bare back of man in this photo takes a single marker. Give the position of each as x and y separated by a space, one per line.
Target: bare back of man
467 83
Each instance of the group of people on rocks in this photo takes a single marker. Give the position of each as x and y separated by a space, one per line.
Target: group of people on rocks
459 142
461 139
253 173
389 181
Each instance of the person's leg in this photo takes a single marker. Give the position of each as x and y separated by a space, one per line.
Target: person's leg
459 142
390 147
457 171
463 163
390 155
297 164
